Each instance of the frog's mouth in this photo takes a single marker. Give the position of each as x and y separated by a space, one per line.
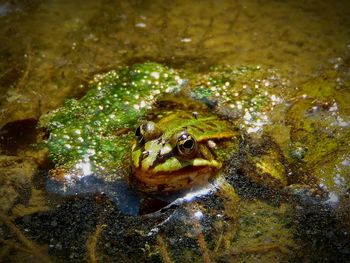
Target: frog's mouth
172 181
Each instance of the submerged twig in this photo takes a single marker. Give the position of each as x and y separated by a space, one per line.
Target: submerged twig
203 247
33 248
11 244
91 243
5 72
4 251
163 250
24 77
201 239
255 250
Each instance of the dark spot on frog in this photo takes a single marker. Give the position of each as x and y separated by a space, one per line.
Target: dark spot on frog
200 129
161 158
189 180
18 135
145 154
160 141
211 124
161 187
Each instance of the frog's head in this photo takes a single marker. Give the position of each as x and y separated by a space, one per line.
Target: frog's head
177 152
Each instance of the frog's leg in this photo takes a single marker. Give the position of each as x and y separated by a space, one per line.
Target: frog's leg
203 246
196 232
225 221
229 222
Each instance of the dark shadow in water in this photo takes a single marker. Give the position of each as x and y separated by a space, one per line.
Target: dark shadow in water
17 135
125 198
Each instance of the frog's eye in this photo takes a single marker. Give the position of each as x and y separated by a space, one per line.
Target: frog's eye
147 131
187 145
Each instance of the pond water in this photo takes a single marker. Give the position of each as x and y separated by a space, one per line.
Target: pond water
295 53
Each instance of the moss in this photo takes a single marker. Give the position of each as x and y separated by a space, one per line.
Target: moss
98 126
264 231
248 92
319 130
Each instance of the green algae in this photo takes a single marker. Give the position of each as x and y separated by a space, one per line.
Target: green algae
224 84
265 232
320 127
246 92
96 127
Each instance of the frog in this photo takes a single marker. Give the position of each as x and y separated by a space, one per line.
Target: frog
178 152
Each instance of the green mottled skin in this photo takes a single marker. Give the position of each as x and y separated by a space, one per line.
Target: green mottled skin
164 168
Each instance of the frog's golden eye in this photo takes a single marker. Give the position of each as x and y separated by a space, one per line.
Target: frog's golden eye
187 145
147 131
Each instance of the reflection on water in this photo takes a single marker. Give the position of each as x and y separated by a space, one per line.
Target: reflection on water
50 50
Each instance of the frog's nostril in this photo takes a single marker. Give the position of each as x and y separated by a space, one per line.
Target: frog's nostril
145 154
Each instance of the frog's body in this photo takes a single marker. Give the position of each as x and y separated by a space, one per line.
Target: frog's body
178 152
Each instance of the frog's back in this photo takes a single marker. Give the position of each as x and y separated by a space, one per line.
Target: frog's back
203 127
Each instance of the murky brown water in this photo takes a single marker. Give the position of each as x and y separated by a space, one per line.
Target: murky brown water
50 49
